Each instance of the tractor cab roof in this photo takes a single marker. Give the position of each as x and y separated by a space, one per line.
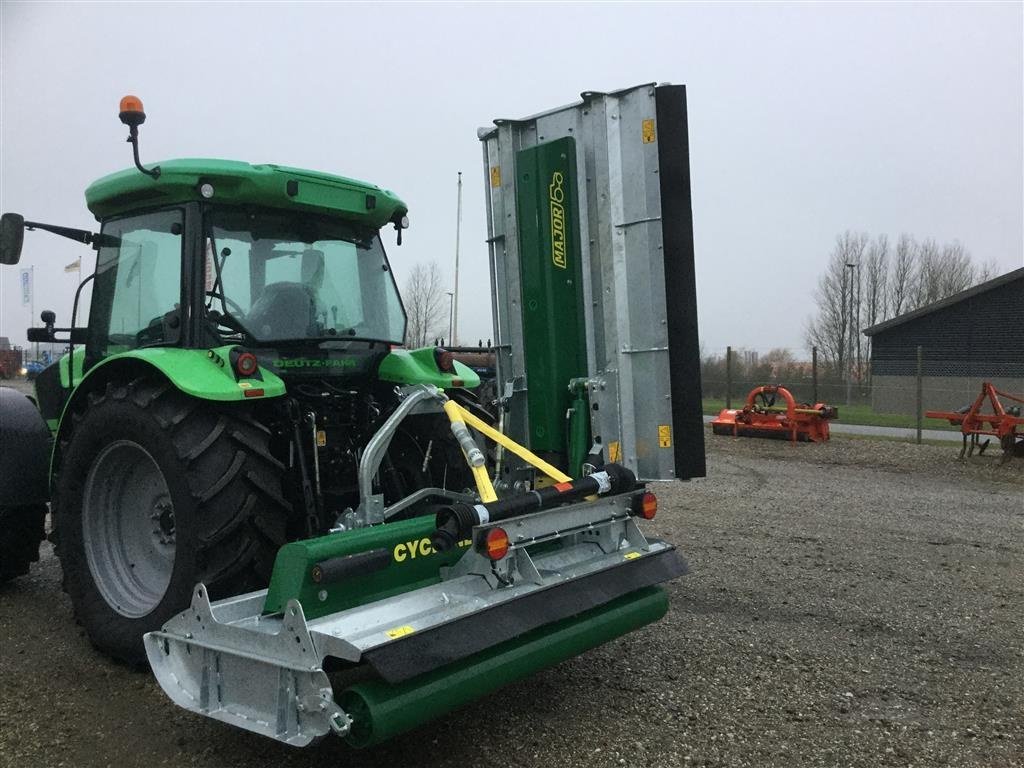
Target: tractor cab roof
236 183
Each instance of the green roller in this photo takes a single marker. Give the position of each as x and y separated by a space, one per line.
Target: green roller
381 711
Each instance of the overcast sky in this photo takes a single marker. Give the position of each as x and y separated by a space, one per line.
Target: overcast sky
805 120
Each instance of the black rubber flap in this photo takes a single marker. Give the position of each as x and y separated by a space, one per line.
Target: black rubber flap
422 652
680 280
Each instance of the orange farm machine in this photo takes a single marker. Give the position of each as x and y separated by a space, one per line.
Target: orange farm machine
1003 422
761 417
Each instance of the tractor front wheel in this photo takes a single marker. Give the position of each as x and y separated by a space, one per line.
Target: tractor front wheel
156 492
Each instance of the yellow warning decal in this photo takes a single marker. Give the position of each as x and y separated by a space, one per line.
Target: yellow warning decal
321 438
410 550
647 131
397 632
614 451
542 481
664 436
495 175
631 555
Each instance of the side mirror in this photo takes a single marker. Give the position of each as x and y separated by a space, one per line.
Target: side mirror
44 334
12 234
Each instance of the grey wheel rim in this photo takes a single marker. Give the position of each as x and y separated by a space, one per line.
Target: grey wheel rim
128 528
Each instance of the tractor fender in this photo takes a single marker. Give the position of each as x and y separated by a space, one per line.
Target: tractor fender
25 439
201 373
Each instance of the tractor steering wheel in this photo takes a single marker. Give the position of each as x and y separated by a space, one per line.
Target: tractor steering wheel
233 305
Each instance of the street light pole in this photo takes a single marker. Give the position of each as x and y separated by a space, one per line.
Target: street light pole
849 346
856 315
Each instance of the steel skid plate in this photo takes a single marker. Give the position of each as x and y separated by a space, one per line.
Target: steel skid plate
265 673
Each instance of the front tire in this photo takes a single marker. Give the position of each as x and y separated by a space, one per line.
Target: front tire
157 492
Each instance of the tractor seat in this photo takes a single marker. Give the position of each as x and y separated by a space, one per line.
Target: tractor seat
283 311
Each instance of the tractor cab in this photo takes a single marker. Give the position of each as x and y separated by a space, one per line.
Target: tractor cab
285 263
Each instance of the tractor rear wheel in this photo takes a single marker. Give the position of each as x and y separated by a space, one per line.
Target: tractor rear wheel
21 533
156 492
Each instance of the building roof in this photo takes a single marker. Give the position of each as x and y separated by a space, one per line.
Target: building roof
956 298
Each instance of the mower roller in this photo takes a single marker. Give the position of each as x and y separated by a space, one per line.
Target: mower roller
1002 422
305 528
761 417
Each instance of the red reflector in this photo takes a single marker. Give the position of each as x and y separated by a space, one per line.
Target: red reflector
496 543
246 364
563 487
254 393
648 506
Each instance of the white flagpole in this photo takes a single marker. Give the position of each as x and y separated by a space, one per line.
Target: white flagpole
455 299
32 298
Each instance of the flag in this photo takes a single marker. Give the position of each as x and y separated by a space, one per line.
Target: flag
26 286
74 266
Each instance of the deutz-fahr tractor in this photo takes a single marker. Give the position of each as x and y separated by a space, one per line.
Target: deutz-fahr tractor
304 527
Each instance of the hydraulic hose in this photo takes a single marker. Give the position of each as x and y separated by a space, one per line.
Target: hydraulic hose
455 521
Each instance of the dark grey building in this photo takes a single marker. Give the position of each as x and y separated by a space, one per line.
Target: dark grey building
970 337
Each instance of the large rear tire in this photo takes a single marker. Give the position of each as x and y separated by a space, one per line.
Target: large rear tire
156 492
21 533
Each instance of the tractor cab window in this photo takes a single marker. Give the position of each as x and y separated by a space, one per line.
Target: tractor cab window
271 278
137 293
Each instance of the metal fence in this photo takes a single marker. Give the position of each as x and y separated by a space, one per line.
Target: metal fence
915 380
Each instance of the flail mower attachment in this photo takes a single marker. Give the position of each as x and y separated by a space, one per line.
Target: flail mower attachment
761 417
375 630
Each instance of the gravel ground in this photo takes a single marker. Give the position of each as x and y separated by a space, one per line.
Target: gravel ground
857 603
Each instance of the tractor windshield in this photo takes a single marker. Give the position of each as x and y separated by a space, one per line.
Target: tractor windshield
274 278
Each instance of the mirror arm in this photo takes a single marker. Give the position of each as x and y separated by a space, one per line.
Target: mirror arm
78 235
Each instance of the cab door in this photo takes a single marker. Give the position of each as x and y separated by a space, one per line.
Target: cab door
136 297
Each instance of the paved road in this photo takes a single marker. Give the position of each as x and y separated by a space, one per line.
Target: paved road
899 432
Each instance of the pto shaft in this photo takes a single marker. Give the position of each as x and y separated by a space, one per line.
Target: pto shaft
455 522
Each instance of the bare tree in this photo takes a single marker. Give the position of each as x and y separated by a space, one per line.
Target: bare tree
987 270
863 286
958 271
876 280
925 287
941 272
831 330
901 278
424 299
875 275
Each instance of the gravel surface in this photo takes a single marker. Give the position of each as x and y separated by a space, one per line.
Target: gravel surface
857 603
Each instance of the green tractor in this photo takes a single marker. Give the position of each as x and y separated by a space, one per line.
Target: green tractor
240 352
303 527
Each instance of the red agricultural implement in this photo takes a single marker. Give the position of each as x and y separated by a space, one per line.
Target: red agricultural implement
761 417
1003 422
10 361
